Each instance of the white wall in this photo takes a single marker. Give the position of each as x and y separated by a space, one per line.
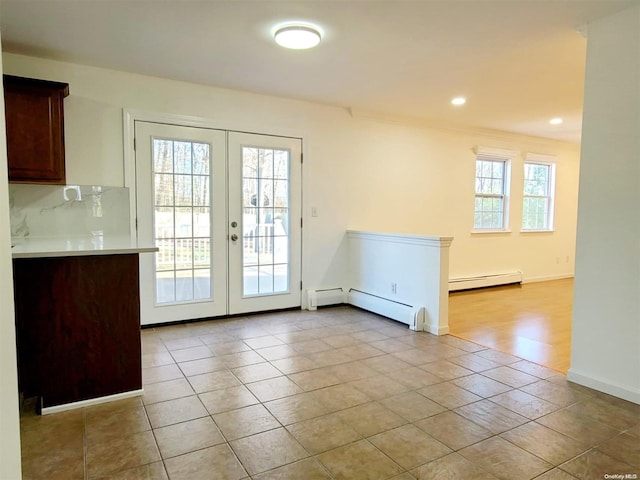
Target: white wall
358 172
10 467
606 312
414 180
409 270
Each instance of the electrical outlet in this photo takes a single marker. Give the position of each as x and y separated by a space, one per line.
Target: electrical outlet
314 212
557 259
394 288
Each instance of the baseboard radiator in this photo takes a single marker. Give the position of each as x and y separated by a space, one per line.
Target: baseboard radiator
482 281
413 316
325 297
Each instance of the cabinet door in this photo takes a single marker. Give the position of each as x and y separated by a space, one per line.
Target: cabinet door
35 131
79 336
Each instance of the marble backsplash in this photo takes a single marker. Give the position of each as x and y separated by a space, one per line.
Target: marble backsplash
68 210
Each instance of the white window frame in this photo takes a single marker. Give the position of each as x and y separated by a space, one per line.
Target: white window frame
505 157
548 161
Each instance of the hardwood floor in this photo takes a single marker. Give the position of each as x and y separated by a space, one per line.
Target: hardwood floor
532 321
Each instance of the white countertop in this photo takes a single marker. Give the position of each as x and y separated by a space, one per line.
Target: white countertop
76 246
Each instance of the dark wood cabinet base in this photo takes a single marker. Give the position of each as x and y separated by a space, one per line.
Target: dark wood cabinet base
78 327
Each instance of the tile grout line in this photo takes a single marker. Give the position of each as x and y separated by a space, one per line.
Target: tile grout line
85 445
155 439
316 333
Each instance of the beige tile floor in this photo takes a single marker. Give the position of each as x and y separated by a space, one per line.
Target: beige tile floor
335 394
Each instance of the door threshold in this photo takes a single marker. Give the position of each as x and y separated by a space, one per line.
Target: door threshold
219 317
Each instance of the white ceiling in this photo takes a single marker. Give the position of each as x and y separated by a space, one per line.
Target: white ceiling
519 62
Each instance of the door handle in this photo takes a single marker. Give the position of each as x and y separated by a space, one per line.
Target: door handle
234 237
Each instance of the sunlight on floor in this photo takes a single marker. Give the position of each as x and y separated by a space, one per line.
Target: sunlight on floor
532 321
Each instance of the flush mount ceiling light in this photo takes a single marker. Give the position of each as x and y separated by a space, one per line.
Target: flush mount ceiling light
555 121
458 101
297 37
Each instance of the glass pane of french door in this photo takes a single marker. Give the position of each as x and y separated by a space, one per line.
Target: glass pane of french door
265 220
181 208
264 206
182 219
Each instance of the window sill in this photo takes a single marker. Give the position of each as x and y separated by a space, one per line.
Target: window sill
537 231
482 232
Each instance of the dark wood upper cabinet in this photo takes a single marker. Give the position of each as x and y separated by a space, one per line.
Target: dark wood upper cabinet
34 112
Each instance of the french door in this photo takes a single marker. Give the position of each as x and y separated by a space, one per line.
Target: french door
224 210
264 222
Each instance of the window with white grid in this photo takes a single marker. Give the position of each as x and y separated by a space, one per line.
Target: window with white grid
492 186
182 220
537 200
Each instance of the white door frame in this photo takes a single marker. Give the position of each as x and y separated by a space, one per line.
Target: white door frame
130 116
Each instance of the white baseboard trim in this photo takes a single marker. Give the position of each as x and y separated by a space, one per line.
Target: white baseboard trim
437 330
91 401
604 385
481 281
547 278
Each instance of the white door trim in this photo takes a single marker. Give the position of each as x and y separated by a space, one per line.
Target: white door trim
131 115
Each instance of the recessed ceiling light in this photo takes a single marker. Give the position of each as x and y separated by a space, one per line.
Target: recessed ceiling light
555 121
297 37
458 101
